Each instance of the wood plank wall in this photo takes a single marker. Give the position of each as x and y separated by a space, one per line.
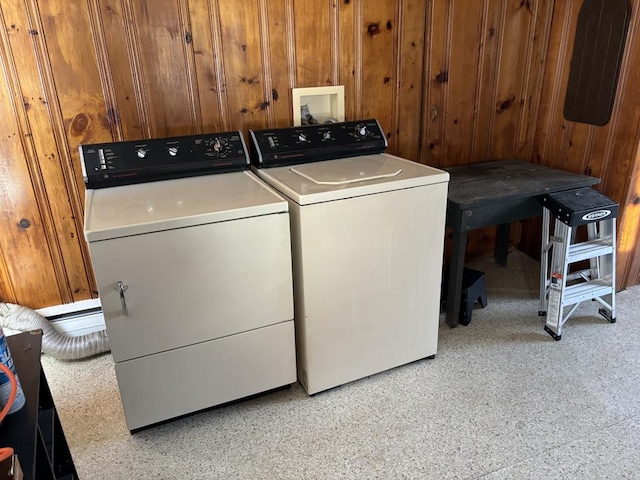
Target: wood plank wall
451 81
609 152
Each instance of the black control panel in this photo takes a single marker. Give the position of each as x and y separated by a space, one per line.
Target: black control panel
312 143
138 161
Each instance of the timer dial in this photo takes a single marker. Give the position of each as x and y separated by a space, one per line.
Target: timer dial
219 146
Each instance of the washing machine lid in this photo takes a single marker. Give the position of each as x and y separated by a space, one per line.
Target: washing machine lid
343 178
150 207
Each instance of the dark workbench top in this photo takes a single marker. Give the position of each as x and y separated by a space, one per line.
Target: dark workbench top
478 184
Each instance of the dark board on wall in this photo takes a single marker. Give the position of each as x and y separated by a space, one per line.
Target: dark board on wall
595 65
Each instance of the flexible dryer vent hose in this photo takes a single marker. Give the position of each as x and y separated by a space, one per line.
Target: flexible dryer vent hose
54 343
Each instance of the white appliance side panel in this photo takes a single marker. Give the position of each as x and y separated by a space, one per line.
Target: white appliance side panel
194 284
367 289
169 384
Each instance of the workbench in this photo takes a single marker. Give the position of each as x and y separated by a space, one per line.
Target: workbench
496 193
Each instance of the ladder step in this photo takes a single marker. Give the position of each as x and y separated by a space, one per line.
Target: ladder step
587 290
590 249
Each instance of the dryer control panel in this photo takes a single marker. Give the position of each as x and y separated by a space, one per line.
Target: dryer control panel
138 161
313 143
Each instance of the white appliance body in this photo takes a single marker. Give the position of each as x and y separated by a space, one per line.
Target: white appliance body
367 239
194 277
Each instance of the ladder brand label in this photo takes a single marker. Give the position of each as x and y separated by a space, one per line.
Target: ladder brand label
598 214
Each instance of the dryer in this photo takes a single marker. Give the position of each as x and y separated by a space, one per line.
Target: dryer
191 253
367 237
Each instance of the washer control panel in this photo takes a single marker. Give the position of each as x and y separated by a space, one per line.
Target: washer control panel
312 143
138 161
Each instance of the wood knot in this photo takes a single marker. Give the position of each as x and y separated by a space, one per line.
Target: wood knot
442 77
506 104
373 29
274 94
79 124
24 223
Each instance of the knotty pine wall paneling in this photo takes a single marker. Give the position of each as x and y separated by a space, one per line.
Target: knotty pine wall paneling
409 60
49 264
451 82
483 86
610 151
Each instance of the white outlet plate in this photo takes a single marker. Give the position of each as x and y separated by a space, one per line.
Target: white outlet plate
323 102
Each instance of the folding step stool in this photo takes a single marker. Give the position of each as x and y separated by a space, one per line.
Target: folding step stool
572 208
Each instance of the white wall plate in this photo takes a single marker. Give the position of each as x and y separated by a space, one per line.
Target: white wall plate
323 103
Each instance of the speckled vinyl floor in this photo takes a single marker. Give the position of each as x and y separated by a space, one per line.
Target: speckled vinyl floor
501 400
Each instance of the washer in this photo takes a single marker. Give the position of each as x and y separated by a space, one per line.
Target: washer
367 237
191 253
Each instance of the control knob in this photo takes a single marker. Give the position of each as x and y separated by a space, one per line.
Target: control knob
141 152
326 135
361 131
173 151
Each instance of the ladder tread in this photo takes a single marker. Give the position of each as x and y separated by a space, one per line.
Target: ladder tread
590 249
587 290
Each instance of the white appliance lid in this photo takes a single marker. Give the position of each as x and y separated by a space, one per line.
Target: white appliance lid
155 206
350 177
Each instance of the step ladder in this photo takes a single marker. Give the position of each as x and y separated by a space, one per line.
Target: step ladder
559 287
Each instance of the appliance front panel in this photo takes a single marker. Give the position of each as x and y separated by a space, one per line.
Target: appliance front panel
169 384
190 285
378 258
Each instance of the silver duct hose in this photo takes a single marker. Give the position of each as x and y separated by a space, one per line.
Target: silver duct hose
54 343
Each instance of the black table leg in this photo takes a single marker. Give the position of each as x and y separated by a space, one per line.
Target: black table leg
502 244
456 271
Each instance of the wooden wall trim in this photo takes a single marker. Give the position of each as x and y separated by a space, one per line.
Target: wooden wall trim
480 126
334 33
540 37
397 74
521 136
266 60
137 72
555 105
359 29
106 77
190 62
291 43
221 82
